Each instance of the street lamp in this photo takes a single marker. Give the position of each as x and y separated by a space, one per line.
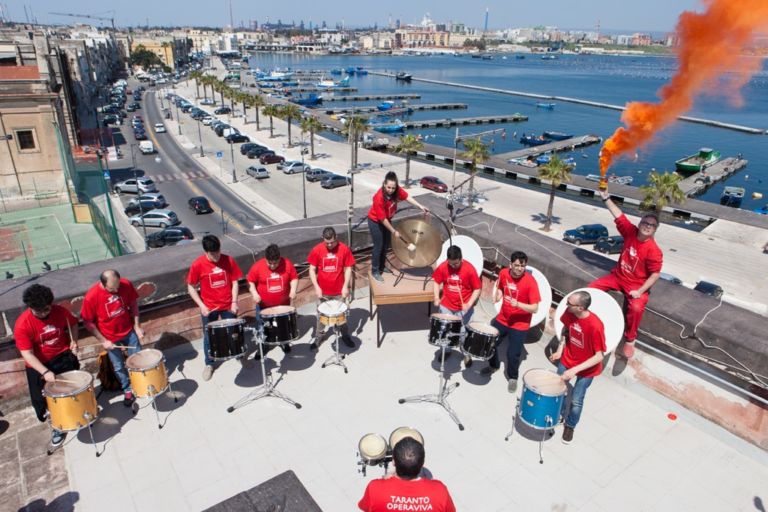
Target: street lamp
232 153
141 207
456 141
200 135
178 118
304 178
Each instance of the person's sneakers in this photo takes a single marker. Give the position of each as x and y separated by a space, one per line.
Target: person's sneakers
629 349
488 370
512 385
567 435
385 270
208 372
377 276
57 437
347 340
128 399
314 345
286 348
467 361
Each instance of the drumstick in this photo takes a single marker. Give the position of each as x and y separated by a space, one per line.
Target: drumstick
411 246
69 328
67 381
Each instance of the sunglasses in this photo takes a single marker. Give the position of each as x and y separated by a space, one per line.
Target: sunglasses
649 224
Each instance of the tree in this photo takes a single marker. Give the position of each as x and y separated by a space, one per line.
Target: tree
556 171
196 76
477 151
354 128
257 102
289 112
409 145
207 80
311 125
661 190
271 111
245 99
140 56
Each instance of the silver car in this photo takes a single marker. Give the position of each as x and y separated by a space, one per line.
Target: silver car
291 167
156 218
136 186
157 197
257 172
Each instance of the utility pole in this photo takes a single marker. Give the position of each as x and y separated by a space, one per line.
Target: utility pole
141 206
232 153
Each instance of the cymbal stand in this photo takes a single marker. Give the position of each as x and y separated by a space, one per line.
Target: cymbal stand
337 358
268 386
441 397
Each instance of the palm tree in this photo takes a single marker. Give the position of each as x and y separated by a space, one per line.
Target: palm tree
271 111
355 127
245 99
408 146
289 112
196 76
257 102
311 124
220 87
477 151
556 171
661 190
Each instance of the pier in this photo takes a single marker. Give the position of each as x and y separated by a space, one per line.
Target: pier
698 183
373 109
319 89
463 121
372 97
555 146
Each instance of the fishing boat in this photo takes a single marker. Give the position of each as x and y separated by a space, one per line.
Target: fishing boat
548 106
698 162
395 126
310 101
385 105
403 76
522 161
619 180
544 160
331 84
533 140
556 135
732 196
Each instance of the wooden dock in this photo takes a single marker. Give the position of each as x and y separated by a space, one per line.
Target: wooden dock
464 121
372 97
555 146
698 183
373 109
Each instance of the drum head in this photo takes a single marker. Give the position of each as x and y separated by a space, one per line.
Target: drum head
403 432
372 447
68 384
544 382
278 311
445 317
483 328
226 322
606 309
144 359
545 291
470 251
332 307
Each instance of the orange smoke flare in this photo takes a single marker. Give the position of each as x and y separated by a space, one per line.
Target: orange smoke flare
711 44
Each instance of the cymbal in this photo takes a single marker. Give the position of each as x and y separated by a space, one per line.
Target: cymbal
422 237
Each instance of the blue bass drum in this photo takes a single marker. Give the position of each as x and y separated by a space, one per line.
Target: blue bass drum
542 399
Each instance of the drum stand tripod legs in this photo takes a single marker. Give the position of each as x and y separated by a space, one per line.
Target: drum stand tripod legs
152 390
441 398
337 358
268 388
545 432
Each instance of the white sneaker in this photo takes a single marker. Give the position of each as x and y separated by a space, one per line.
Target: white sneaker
207 373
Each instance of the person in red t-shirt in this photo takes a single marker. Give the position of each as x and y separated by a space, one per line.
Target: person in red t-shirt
519 293
216 274
46 336
406 490
330 270
380 216
580 354
272 281
460 284
111 313
638 269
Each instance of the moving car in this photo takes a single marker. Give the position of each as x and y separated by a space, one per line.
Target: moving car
156 218
610 245
135 186
586 234
334 180
159 128
200 204
434 184
271 158
236 137
169 236
257 172
222 110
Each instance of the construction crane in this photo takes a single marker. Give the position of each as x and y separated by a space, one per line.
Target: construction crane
103 18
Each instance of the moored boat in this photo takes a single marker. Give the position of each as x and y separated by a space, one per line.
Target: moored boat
732 196
548 106
620 180
532 140
698 162
556 135
389 127
403 76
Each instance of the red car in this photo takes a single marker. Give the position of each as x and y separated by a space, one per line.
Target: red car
271 158
433 184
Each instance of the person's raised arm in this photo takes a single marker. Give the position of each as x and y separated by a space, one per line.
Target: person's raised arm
606 198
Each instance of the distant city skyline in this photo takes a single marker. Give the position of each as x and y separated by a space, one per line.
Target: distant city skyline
647 16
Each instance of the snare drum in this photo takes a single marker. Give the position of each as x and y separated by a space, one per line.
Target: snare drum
372 449
71 401
402 432
542 399
146 369
480 342
444 327
279 324
332 312
226 338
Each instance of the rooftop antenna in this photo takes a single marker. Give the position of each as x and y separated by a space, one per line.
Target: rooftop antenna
485 28
231 22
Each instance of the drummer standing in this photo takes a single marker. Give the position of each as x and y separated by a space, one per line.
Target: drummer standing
111 313
638 269
519 293
330 270
216 274
46 336
272 282
580 354
380 216
458 281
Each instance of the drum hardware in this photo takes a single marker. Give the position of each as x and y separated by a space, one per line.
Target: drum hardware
268 387
71 403
333 313
226 338
149 378
441 397
279 324
480 341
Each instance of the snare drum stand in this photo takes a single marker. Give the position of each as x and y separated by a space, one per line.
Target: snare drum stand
545 433
87 417
268 388
441 398
152 389
337 358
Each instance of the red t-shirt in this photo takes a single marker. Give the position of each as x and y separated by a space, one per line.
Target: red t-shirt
384 207
388 494
273 286
639 259
458 285
524 290
110 312
586 337
215 280
330 266
45 337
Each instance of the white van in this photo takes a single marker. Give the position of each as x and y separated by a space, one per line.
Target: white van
146 147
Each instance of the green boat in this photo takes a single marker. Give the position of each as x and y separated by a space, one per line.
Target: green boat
698 162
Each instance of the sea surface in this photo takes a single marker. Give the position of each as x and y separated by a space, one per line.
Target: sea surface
607 79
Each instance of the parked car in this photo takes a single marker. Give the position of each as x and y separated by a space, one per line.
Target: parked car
434 184
670 278
136 208
200 204
291 167
235 138
136 185
140 134
136 105
257 152
610 245
156 218
271 158
222 110
206 120
316 174
130 108
586 234
110 119
245 148
334 180
707 288
151 196
208 101
257 172
159 128
169 236
219 129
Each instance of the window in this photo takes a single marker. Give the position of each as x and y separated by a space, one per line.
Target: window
25 140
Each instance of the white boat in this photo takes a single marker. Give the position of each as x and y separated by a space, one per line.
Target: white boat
620 180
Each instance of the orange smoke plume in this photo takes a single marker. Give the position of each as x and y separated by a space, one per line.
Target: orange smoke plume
710 44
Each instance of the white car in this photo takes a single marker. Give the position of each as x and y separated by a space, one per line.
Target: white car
207 121
159 128
208 101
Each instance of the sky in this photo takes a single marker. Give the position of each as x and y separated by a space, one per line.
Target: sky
638 15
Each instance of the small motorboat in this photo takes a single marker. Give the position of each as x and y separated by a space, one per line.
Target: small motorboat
732 196
547 106
556 135
403 76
